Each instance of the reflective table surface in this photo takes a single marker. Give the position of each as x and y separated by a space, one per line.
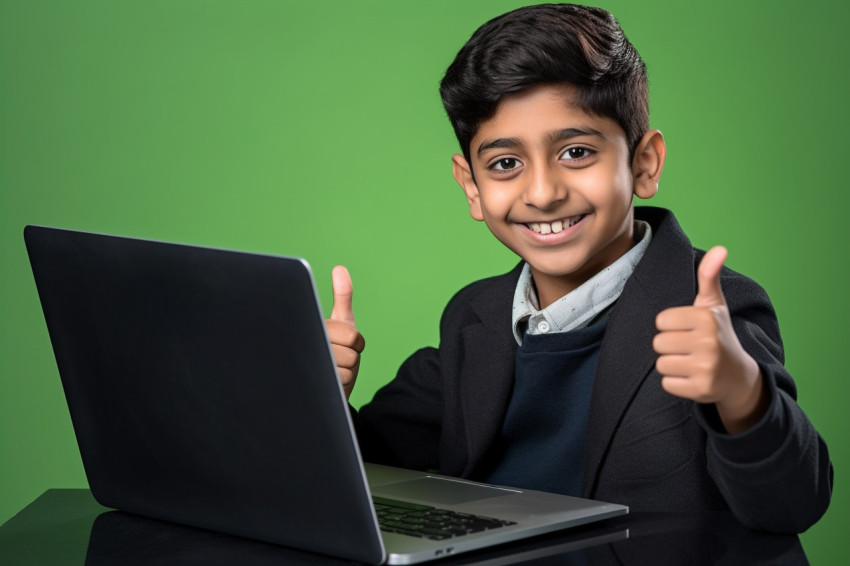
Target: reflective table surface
67 526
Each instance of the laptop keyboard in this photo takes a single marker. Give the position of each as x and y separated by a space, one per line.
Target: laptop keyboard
430 522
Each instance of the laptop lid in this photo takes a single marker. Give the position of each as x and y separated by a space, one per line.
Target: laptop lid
202 389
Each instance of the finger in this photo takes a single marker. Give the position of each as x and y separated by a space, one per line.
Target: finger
681 319
343 291
675 318
675 365
345 357
343 334
686 389
709 293
673 342
346 378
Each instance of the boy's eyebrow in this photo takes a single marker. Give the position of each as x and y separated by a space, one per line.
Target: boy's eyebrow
568 133
498 144
556 136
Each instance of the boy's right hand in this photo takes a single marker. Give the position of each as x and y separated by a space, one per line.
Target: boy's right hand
346 342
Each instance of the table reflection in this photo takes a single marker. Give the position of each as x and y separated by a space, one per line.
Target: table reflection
68 527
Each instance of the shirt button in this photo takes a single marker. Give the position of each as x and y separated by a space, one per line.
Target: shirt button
543 326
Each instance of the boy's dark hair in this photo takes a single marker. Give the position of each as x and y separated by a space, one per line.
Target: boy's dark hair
548 44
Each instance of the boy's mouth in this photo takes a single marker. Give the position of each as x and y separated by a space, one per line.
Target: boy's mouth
556 226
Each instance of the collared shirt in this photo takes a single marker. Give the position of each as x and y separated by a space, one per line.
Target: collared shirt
579 307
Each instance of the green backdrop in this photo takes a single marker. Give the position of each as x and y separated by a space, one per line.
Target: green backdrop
315 129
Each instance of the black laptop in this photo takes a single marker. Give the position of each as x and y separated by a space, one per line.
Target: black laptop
203 391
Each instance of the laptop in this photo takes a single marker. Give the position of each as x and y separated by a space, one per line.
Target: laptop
203 391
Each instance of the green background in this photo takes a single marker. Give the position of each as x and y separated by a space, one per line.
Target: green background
315 129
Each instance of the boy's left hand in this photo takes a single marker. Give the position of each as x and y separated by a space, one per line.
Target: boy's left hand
700 357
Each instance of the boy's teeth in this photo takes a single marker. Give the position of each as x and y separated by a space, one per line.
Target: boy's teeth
554 227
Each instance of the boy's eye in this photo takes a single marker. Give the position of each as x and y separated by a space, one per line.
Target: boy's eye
505 164
576 153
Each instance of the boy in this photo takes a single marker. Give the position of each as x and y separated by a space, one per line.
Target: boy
616 361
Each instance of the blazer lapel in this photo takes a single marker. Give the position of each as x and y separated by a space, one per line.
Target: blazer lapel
663 278
487 372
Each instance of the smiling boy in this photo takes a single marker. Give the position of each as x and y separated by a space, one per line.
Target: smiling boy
616 361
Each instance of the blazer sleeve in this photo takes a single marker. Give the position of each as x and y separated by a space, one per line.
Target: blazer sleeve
777 476
403 424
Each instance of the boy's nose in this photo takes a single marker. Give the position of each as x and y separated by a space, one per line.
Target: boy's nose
544 190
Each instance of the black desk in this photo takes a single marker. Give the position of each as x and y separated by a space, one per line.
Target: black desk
66 526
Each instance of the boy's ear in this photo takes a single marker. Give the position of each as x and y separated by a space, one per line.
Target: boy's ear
462 172
648 163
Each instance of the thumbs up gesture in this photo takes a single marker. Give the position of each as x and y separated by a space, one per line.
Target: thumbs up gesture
700 357
346 342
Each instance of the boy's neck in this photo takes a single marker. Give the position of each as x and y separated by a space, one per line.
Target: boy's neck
550 288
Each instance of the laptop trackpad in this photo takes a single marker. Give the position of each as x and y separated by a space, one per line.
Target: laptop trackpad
439 491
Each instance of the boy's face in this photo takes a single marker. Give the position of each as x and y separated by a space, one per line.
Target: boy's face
555 185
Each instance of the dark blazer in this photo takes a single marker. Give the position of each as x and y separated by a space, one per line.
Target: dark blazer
645 448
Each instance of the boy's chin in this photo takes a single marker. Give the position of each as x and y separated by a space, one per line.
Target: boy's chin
556 270
565 273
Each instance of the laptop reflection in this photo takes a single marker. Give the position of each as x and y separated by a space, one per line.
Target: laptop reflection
123 538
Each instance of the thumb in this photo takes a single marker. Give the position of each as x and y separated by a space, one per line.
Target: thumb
343 290
709 293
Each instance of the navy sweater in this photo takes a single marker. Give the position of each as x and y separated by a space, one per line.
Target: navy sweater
543 435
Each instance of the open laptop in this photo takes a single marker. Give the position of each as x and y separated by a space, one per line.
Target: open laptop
203 391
